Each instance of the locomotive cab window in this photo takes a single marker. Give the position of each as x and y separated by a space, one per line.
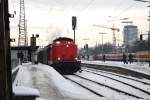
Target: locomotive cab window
57 42
63 40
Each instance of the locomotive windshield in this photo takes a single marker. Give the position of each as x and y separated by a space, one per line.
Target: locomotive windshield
63 39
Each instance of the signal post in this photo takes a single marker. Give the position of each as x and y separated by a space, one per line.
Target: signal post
141 38
33 48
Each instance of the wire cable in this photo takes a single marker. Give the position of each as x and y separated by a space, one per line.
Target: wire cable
120 4
88 5
126 9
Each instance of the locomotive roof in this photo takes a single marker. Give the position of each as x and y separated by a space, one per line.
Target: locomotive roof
63 38
58 39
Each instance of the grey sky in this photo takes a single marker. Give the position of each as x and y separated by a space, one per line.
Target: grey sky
52 18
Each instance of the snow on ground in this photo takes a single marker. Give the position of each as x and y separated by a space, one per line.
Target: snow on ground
115 84
136 66
47 81
66 87
22 83
125 80
105 91
16 68
23 77
46 75
25 91
111 74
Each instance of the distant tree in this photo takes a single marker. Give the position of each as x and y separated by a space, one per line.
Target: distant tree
139 46
107 48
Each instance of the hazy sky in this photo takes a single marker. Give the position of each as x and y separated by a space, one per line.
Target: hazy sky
52 18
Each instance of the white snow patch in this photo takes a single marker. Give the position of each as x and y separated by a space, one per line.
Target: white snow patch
66 87
25 91
113 83
16 68
23 77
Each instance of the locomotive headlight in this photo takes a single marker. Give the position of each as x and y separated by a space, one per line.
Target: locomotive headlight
76 58
58 58
58 42
67 45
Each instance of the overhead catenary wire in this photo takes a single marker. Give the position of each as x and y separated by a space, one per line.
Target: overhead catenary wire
57 2
74 6
126 9
120 4
88 5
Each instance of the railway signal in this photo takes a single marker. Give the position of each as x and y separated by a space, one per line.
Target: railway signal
37 36
74 23
141 38
33 41
33 46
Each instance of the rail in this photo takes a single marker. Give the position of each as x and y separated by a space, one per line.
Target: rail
116 69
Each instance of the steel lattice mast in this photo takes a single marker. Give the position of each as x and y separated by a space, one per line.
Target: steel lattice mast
22 40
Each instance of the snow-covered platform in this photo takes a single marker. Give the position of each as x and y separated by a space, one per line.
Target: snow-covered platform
50 84
141 67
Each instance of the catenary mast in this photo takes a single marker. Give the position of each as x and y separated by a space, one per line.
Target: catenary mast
22 40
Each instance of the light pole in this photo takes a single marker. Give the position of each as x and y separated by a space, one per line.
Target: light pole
102 40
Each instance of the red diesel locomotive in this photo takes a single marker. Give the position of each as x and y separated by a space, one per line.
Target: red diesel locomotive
62 55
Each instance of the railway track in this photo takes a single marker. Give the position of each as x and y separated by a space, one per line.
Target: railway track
91 84
130 83
98 94
106 80
117 70
117 75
